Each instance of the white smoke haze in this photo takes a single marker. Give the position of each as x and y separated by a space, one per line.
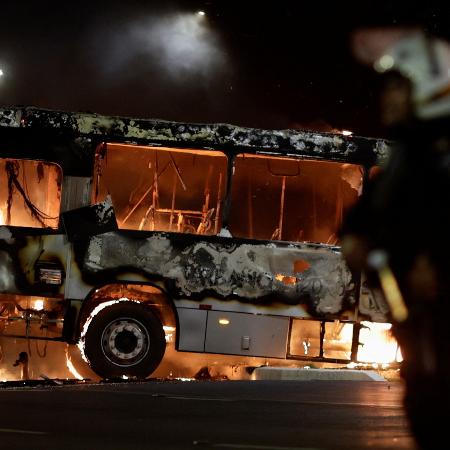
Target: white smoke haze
178 45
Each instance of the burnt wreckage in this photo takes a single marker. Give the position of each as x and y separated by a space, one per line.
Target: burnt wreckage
114 229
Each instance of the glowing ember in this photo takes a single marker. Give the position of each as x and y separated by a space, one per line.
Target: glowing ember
286 279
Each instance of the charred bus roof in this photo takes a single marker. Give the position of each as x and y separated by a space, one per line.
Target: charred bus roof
70 138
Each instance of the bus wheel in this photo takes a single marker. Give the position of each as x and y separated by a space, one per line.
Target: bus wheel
124 339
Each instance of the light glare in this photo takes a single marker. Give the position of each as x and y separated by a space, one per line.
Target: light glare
38 305
385 63
179 44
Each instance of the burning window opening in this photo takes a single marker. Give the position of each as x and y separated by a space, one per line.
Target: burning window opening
30 193
162 189
33 317
287 195
140 293
334 340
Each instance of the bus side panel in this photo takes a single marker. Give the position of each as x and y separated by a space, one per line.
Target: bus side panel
252 272
192 329
32 283
247 334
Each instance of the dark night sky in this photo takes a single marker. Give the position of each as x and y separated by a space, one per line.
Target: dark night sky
278 64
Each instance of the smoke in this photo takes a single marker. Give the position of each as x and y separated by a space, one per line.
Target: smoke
181 46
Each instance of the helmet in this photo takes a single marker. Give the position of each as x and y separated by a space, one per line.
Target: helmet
424 60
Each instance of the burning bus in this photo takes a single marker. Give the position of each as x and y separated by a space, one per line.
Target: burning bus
114 231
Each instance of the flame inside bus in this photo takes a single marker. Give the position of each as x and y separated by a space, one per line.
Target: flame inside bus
377 344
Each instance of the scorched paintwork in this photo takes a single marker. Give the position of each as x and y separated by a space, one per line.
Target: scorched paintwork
84 131
251 272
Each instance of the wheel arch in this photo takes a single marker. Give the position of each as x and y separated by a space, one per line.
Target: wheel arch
149 295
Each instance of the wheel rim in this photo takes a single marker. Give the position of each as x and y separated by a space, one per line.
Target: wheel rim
125 342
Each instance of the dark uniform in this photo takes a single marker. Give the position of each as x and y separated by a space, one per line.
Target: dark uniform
405 212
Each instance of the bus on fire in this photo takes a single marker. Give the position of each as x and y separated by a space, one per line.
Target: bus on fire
113 230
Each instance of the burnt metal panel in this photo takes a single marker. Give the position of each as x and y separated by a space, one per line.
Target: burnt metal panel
81 223
75 192
192 329
253 271
98 128
10 117
246 334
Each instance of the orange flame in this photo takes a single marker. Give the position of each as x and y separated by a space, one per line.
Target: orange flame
378 344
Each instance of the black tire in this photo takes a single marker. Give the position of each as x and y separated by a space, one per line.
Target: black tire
124 339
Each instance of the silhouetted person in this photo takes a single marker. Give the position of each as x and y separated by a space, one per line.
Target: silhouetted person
401 225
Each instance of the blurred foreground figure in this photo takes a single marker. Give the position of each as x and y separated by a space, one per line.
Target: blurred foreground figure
399 233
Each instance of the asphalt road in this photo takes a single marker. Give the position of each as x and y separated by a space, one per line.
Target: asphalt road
202 415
